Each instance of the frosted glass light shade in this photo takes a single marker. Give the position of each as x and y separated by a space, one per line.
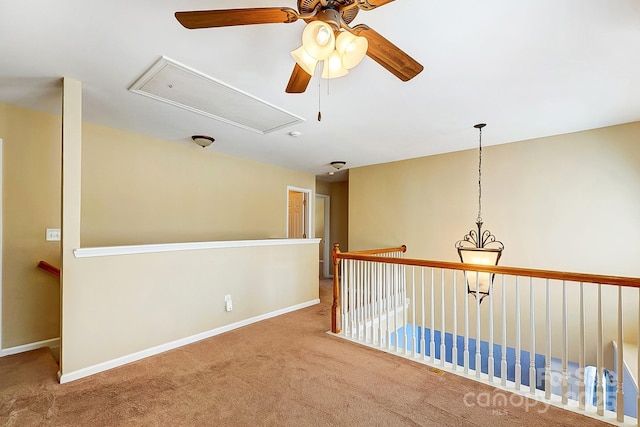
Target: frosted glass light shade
333 67
479 282
352 49
304 60
318 40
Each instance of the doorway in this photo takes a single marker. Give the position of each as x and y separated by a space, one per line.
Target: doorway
298 208
323 232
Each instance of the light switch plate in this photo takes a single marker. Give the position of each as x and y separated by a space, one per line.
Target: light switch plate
52 235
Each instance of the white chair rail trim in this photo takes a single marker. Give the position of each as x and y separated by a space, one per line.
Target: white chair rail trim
187 246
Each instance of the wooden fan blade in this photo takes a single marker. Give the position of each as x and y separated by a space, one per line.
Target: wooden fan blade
388 55
299 80
372 4
231 17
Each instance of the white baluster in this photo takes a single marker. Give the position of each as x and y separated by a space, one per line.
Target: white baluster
478 339
466 328
353 294
368 315
423 341
565 348
600 370
413 311
359 301
620 367
503 357
581 352
443 349
374 304
454 336
343 296
490 359
363 304
432 342
518 367
547 356
350 296
395 304
381 338
532 331
403 286
638 367
388 303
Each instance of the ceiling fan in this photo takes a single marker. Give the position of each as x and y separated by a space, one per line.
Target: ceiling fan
327 27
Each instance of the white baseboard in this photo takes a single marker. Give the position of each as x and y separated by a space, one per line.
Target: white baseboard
53 342
110 364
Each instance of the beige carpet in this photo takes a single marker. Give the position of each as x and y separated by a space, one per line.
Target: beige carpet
285 371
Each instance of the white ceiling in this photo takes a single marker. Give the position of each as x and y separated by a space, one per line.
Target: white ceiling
528 68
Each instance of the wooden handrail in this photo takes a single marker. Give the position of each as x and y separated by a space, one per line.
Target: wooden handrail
402 248
632 282
43 265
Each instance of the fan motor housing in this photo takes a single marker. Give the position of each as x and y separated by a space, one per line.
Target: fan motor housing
347 14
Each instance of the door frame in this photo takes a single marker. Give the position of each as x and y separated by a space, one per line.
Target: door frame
327 271
307 209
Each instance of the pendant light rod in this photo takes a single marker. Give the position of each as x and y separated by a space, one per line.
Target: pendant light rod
479 126
478 246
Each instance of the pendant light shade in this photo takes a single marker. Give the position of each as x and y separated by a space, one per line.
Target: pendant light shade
352 49
305 60
479 284
318 39
479 247
333 67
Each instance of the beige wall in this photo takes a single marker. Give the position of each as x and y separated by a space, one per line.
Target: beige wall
137 190
31 204
123 304
568 203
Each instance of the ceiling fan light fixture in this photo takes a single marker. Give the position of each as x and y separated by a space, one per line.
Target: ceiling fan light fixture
305 60
318 39
333 67
352 49
325 20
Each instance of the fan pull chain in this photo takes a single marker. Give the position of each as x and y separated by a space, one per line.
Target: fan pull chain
319 91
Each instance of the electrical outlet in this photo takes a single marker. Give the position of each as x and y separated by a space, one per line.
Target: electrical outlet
52 235
228 304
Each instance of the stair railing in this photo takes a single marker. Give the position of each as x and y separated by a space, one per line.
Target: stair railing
420 309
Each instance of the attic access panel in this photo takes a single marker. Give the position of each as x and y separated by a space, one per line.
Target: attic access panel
176 84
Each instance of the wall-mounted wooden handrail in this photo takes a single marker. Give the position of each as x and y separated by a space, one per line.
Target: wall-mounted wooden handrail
402 248
43 265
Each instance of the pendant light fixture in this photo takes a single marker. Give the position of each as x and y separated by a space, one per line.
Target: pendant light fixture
479 247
